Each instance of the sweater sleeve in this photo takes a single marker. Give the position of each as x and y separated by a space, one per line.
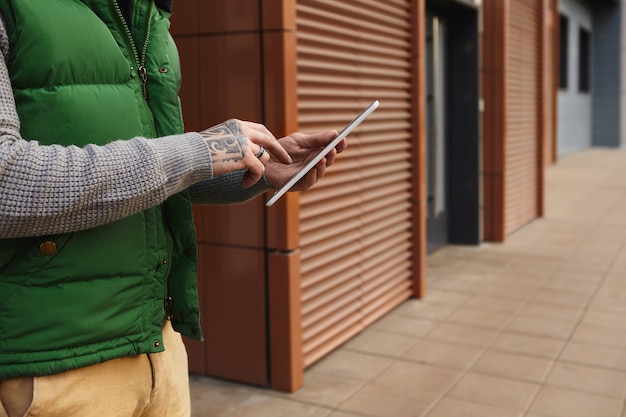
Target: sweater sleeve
56 189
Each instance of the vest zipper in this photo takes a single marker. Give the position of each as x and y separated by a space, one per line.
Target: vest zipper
140 56
140 59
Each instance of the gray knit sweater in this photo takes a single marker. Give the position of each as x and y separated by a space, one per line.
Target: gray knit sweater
54 189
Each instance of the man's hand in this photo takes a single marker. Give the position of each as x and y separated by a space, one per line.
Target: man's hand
302 148
238 145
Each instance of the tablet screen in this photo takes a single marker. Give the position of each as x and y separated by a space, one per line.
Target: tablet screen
293 180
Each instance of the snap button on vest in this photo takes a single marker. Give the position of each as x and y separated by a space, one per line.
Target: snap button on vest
48 248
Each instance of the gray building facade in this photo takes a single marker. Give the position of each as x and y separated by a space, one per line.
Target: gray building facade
591 97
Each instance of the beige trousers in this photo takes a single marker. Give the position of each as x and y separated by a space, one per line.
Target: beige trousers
134 386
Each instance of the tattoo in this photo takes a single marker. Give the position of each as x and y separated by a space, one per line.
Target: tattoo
226 141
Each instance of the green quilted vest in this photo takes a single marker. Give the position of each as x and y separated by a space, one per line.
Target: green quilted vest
80 76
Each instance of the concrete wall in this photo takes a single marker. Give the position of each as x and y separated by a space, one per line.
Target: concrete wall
575 108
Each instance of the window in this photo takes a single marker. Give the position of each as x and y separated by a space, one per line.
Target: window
563 52
584 61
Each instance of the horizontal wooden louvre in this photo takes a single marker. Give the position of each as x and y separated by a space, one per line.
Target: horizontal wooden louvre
523 104
355 224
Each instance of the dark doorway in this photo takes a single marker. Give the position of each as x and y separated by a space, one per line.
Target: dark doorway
452 124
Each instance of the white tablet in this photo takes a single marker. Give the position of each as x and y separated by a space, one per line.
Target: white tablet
293 180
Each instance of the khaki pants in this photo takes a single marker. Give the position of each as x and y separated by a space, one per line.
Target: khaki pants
134 386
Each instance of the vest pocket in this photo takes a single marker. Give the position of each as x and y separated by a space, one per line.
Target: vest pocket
22 258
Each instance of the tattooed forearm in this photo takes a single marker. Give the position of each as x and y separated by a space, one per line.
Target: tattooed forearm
226 141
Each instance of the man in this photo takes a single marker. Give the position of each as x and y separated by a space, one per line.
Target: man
97 245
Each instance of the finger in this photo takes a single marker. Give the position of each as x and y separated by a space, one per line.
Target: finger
314 175
260 135
321 139
341 146
262 155
273 148
330 157
255 171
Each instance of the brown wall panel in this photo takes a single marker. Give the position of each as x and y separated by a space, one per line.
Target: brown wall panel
185 18
279 15
495 14
228 16
189 91
230 80
285 321
233 319
418 105
233 225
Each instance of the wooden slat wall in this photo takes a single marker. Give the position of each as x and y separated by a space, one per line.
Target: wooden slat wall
551 68
356 248
523 113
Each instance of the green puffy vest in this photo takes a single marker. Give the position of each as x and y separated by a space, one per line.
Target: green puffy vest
76 299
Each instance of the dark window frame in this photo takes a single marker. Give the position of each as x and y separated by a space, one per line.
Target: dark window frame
584 60
563 52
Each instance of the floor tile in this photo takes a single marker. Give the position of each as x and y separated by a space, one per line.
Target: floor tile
508 290
564 284
380 400
447 297
211 397
343 414
564 313
599 335
380 343
403 325
442 354
617 293
561 297
425 310
478 318
494 391
606 319
558 402
354 365
327 390
534 266
495 304
409 377
450 407
462 282
594 354
463 335
541 326
513 366
528 345
529 280
608 303
588 378
269 406
575 276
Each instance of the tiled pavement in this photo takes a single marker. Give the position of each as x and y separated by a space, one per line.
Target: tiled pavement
532 327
